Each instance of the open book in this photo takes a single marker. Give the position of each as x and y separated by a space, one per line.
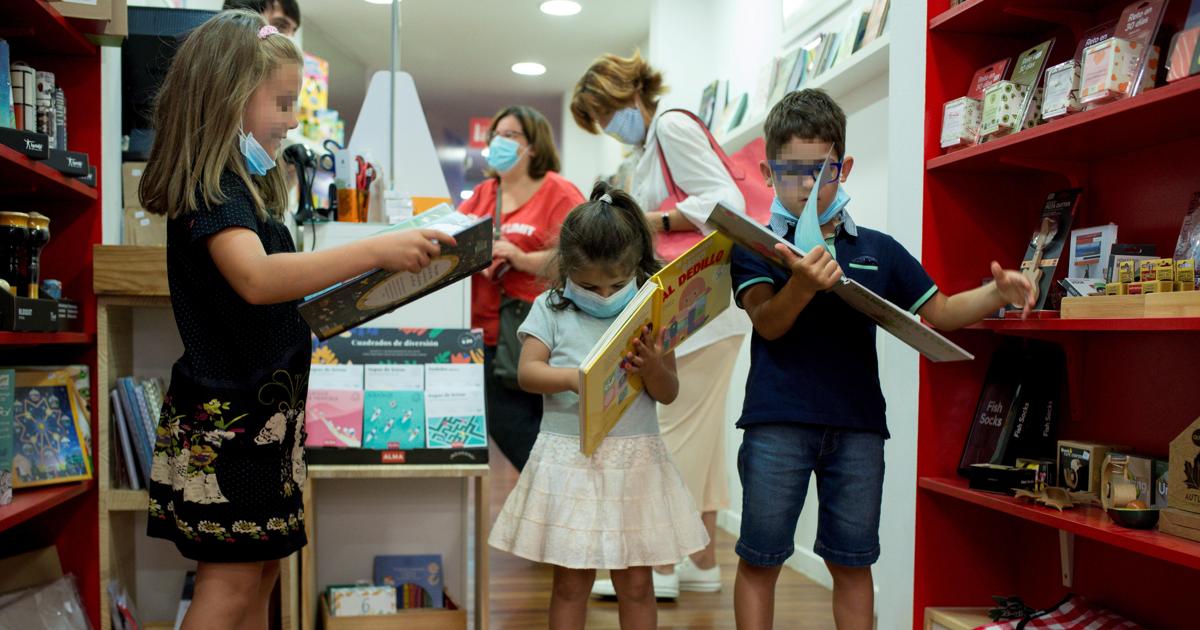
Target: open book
359 300
905 327
680 299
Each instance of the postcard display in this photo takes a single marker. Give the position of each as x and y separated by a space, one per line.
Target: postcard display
397 396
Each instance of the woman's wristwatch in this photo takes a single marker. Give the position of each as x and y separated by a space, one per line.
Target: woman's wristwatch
666 222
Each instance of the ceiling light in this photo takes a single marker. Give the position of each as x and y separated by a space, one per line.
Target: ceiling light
485 152
560 7
466 194
530 68
380 1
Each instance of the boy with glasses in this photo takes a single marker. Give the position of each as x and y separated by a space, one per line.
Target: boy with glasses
813 399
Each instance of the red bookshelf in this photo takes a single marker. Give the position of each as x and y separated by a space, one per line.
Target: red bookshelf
21 176
28 504
981 204
66 516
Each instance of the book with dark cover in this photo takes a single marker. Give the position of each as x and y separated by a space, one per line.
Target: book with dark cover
378 292
1046 245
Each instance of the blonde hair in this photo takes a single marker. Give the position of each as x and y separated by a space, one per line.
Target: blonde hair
198 114
610 84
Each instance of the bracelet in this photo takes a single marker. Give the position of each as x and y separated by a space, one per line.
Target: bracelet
666 221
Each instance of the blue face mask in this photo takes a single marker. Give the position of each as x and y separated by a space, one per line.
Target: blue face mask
503 154
599 307
258 161
808 227
627 126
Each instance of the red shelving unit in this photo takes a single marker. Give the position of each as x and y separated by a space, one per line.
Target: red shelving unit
43 338
28 504
23 177
65 516
1136 161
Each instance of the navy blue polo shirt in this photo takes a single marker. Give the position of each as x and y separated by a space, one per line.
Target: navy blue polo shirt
824 370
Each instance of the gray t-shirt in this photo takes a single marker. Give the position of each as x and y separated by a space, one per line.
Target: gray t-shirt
570 335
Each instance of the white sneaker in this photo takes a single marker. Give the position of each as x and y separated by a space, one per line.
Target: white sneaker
697 580
666 586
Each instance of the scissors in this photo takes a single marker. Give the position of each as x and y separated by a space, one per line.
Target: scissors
366 174
328 161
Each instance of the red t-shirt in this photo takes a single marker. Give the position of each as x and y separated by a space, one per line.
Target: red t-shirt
533 227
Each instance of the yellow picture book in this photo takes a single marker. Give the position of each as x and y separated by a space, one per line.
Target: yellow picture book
681 298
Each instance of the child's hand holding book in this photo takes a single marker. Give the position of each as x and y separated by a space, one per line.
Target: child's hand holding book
408 250
816 271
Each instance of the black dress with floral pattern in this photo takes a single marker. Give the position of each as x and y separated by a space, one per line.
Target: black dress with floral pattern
228 468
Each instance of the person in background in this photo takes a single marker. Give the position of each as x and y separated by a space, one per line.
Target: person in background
620 97
284 15
531 199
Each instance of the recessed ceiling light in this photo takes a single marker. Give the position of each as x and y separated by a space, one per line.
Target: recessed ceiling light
560 7
466 194
530 68
380 1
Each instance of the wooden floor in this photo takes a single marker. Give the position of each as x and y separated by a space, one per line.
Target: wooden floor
520 590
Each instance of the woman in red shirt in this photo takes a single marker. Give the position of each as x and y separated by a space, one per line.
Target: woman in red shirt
533 201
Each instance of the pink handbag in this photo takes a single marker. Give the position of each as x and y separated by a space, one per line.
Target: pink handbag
742 167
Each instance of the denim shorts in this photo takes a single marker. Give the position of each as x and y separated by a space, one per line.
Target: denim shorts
775 462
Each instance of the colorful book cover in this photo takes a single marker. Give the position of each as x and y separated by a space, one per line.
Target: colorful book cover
708 104
378 292
390 346
8 384
334 418
48 442
424 571
394 419
680 299
739 112
1090 248
6 97
455 408
126 444
142 444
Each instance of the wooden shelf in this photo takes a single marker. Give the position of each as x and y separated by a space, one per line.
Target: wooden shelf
24 177
130 270
28 503
869 62
127 500
989 17
1090 522
1156 117
8 338
407 471
1145 324
40 29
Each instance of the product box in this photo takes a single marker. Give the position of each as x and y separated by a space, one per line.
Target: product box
960 122
1126 271
998 478
1044 469
1185 271
334 418
1134 288
131 179
1002 104
1161 473
1164 269
28 143
1179 523
1184 286
23 314
1138 470
90 179
1183 52
1148 270
1108 69
360 600
1079 465
84 9
1183 481
1033 114
142 227
1158 286
1116 288
394 420
71 163
1062 90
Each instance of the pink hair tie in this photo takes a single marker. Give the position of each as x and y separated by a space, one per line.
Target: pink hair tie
267 31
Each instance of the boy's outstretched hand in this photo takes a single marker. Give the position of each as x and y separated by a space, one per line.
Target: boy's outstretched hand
816 271
1015 288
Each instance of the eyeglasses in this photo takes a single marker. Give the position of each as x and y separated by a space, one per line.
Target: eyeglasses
806 170
511 135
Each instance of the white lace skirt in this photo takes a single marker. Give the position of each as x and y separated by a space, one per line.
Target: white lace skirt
625 506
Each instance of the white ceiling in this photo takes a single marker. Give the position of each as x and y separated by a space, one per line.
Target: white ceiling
460 49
